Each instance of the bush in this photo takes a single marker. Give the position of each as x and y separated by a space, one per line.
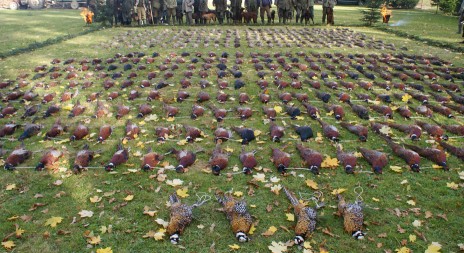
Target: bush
403 4
447 6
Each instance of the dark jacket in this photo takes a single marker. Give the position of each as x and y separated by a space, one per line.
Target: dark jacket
264 2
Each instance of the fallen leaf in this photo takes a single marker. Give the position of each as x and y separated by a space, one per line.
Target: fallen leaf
386 130
276 189
311 184
338 191
406 97
234 246
260 177
278 109
147 211
238 193
230 150
274 179
174 182
257 132
452 185
411 202
252 229
162 222
375 199
105 250
129 198
10 187
94 240
277 247
412 238
53 221
8 244
182 192
182 142
403 250
19 231
290 216
270 231
396 169
329 162
461 175
417 223
58 182
85 213
95 199
435 247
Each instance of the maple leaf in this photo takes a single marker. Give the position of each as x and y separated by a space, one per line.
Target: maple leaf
151 117
8 244
375 199
299 118
170 119
319 138
290 216
386 130
311 184
174 182
182 142
162 222
146 210
452 185
411 202
159 235
234 246
19 231
85 213
260 177
403 250
276 189
270 231
277 247
412 238
278 109
129 198
406 97
95 199
230 150
461 175
68 107
105 250
10 187
137 154
275 179
417 223
94 240
329 162
238 193
182 192
461 246
53 221
396 169
257 132
252 229
435 247
338 191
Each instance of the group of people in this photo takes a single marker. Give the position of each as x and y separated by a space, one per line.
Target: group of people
172 12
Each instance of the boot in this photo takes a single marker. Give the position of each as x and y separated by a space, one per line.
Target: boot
268 20
297 17
262 20
221 20
280 20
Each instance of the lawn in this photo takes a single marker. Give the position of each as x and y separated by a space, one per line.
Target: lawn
403 209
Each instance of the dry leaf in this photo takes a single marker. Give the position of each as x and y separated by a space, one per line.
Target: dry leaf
270 231
252 229
396 169
311 184
278 109
412 238
8 244
403 250
105 250
386 130
452 185
53 221
276 189
417 223
174 182
162 222
234 246
94 240
406 97
290 216
277 247
238 193
435 247
85 213
10 187
338 191
260 177
329 162
182 192
95 199
411 202
129 198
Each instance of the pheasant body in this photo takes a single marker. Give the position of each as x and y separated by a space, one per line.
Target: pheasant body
353 217
238 216
180 217
306 218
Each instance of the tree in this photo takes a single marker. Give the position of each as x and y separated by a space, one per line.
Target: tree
371 15
446 6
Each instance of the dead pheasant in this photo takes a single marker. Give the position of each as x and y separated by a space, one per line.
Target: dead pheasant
219 160
237 214
306 218
181 217
458 152
409 156
375 158
348 160
353 217
435 155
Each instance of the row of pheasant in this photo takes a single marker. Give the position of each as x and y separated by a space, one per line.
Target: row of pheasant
241 220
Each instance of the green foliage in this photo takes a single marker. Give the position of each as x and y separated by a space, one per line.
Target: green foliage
403 4
371 15
447 6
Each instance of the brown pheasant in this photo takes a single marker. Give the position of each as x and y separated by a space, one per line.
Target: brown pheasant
306 218
353 217
237 214
181 216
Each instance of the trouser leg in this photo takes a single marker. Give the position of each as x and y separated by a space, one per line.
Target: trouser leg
324 13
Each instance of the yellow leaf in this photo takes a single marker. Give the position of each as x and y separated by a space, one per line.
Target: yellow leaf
94 240
436 166
386 130
53 221
278 109
396 169
230 150
257 132
182 192
435 247
307 245
158 236
276 189
311 184
147 211
329 162
124 141
290 216
330 113
411 202
461 175
68 107
299 118
319 138
170 119
238 194
252 229
452 185
174 182
95 199
338 191
375 102
277 247
234 246
403 250
375 199
141 123
417 223
8 244
10 187
270 231
105 250
129 198
137 154
260 177
412 238
162 222
85 213
19 232
358 154
406 97
182 142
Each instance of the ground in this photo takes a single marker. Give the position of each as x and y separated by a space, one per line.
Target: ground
403 210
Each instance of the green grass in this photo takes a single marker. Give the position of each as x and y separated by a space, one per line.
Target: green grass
428 188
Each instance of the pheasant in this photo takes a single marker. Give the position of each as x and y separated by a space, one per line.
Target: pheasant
360 130
348 160
458 152
237 214
150 160
248 160
181 217
409 156
83 158
219 160
435 155
353 217
306 218
49 159
375 158
17 157
281 160
312 158
119 157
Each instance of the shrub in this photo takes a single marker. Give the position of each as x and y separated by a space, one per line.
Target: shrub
403 4
447 6
371 15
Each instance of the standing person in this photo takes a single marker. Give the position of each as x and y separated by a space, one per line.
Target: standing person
141 11
187 7
265 6
171 11
221 7
325 4
251 6
203 8
461 18
299 8
236 8
330 12
155 5
127 6
284 7
309 11
179 12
